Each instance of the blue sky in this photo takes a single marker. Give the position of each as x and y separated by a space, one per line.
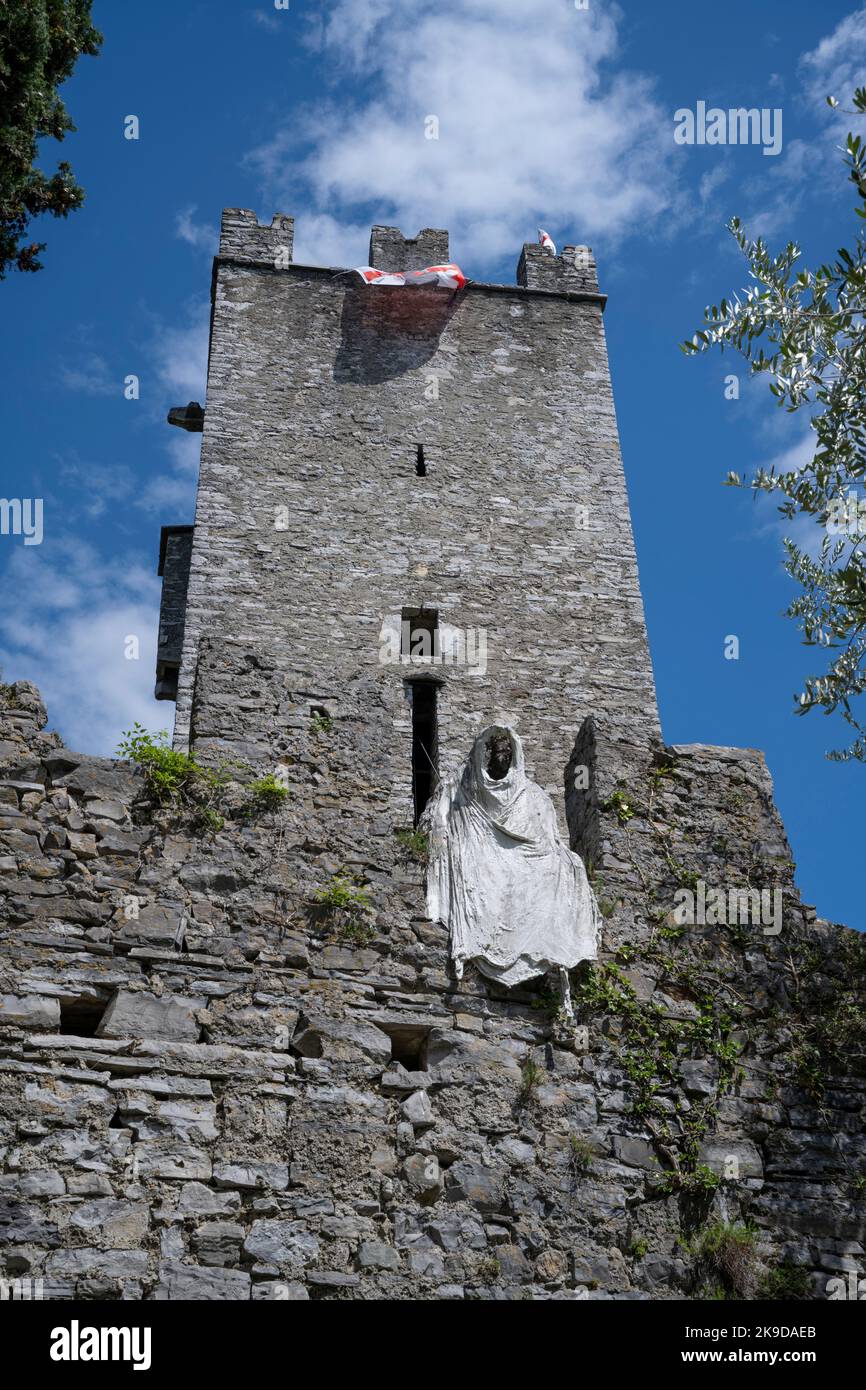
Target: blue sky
548 115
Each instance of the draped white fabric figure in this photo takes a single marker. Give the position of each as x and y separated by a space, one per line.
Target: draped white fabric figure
514 897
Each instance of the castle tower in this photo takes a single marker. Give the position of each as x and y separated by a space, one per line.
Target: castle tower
385 466
236 1059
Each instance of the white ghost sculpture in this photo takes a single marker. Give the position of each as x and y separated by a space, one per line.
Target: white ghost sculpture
514 897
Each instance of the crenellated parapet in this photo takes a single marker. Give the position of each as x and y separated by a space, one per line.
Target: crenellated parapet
573 269
391 250
244 238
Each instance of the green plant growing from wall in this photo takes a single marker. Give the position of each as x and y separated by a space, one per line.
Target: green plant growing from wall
416 844
175 780
7 694
346 904
622 805
581 1155
267 793
321 723
725 1257
665 767
651 1047
828 1021
531 1076
489 1270
785 1282
178 782
691 1177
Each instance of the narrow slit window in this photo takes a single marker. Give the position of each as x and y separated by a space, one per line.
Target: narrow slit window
424 750
420 461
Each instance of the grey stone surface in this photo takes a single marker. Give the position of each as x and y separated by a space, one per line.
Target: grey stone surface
281 1242
373 1254
139 1014
192 1283
31 1011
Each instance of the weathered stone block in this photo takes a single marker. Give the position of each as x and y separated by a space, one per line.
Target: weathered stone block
137 1014
121 1224
423 1177
342 1040
30 1011
281 1243
250 1176
197 1200
470 1182
159 1159
192 1283
218 1242
418 1110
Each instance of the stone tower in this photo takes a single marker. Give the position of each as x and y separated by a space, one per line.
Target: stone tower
235 1059
378 462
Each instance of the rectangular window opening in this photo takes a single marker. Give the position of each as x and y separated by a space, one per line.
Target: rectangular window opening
408 1044
419 629
167 676
420 461
81 1017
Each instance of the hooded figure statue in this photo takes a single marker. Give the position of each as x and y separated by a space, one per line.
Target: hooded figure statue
514 897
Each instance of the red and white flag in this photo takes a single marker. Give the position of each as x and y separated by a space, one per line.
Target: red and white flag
450 276
546 241
378 277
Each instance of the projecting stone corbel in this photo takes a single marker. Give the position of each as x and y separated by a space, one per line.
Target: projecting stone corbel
187 417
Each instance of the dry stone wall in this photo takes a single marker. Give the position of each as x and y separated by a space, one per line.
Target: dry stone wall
215 1086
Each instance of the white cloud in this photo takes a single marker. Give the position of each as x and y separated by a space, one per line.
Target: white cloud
797 455
270 21
835 66
66 631
172 494
90 375
532 128
180 355
185 449
802 529
711 180
92 487
769 201
202 235
777 196
179 363
322 239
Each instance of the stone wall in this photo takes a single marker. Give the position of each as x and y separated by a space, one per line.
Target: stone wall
216 1086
